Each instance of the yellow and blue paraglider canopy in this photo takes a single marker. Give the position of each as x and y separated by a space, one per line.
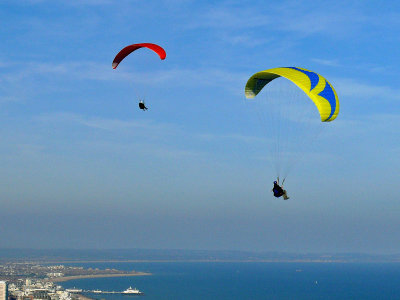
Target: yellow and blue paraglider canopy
320 91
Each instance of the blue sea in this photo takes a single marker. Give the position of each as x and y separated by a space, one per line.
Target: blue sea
246 280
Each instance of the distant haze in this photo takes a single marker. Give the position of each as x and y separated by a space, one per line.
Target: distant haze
81 167
163 255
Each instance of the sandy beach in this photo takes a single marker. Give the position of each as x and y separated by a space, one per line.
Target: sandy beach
66 278
81 297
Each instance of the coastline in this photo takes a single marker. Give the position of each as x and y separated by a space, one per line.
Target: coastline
67 278
82 297
205 261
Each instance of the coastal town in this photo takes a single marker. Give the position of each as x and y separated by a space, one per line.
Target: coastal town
23 281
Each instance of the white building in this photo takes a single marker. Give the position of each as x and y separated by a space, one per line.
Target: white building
3 290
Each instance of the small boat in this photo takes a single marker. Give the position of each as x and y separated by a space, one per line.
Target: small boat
97 291
131 291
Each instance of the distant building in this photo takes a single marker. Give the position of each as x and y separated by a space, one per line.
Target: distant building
40 295
55 274
3 290
28 282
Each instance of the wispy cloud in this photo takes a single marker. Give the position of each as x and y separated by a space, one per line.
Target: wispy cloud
115 125
246 39
224 17
9 98
77 136
71 2
289 16
326 62
175 77
233 137
356 89
147 126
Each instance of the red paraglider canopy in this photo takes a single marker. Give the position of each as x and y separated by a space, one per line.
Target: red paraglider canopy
129 49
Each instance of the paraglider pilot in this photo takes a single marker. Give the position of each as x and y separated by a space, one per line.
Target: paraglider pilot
142 106
279 191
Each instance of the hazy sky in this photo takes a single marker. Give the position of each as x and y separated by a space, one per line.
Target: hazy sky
82 167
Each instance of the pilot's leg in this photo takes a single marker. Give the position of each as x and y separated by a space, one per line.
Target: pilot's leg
285 196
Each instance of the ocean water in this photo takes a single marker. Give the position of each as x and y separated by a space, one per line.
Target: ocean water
226 280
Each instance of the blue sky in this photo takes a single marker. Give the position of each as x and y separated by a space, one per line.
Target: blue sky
81 167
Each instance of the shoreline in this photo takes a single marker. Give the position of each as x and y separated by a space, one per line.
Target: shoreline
82 297
204 261
75 277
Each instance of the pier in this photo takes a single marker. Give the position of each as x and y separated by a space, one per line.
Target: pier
129 291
